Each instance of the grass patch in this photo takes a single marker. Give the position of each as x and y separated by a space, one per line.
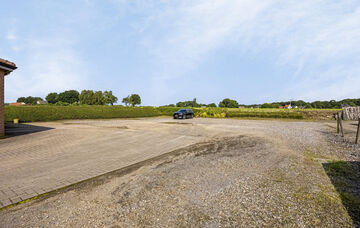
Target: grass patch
345 176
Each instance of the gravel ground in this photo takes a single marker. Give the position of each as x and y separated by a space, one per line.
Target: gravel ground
257 174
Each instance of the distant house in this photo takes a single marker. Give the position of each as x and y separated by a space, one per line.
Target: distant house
17 104
286 106
241 106
41 102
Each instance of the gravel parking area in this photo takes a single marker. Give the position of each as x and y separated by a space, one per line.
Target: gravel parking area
227 173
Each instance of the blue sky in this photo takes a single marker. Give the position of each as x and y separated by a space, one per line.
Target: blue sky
254 51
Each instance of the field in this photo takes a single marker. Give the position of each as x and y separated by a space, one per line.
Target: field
50 113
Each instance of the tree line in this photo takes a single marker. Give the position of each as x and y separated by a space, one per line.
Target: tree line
86 97
230 103
226 103
316 104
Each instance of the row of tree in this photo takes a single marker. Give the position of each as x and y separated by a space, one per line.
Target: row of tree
229 103
29 100
87 97
316 104
226 103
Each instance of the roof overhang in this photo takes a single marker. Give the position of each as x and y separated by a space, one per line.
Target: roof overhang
7 66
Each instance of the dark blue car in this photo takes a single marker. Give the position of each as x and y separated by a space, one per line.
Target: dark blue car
184 114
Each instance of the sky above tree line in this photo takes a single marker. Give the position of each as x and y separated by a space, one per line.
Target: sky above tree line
253 51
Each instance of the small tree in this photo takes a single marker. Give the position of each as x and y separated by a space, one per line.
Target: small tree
99 98
110 98
212 105
21 99
126 100
228 103
52 98
69 96
135 99
86 97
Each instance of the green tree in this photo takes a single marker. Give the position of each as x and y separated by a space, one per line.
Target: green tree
126 100
21 99
52 98
135 99
212 105
110 98
99 98
87 97
192 103
69 96
29 100
228 103
266 105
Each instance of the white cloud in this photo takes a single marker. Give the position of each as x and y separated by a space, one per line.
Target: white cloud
51 65
317 38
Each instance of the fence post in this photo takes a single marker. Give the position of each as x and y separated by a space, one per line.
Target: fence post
337 123
357 132
341 128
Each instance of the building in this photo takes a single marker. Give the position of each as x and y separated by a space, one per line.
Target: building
41 102
17 104
6 67
286 106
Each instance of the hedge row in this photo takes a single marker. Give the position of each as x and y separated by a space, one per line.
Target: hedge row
48 113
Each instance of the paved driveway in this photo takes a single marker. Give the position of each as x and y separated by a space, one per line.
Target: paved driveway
62 153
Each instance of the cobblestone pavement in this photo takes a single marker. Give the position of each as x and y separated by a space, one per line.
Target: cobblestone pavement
245 173
66 152
71 151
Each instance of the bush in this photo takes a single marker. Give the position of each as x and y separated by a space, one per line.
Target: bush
212 112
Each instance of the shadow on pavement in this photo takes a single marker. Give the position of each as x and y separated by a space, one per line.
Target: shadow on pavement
12 130
345 176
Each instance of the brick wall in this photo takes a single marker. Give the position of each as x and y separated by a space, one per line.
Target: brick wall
2 127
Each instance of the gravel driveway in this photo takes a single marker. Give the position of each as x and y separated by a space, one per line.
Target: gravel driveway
242 173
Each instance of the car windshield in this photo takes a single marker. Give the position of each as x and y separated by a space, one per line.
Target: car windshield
182 110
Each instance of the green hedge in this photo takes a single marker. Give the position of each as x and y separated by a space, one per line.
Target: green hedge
48 113
53 112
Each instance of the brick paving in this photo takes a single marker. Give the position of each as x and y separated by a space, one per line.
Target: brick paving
64 153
